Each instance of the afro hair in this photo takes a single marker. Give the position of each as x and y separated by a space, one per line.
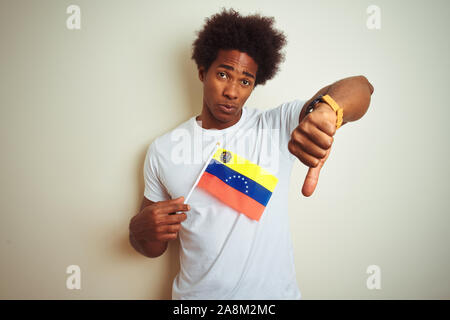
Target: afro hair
251 34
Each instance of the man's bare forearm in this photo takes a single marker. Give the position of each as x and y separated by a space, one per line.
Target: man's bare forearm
352 94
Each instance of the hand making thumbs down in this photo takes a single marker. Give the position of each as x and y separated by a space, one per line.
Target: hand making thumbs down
311 143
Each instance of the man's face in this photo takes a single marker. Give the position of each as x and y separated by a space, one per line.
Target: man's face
227 85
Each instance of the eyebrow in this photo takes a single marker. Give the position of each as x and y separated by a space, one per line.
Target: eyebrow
231 68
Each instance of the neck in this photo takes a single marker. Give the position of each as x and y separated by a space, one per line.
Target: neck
210 122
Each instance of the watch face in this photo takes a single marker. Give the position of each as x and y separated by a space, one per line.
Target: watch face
309 109
311 106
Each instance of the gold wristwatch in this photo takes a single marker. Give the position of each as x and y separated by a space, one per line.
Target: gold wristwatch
329 101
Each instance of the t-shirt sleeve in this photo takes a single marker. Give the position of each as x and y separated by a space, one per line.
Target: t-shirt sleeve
154 188
285 119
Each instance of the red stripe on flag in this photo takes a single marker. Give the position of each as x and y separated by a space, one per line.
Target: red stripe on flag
230 196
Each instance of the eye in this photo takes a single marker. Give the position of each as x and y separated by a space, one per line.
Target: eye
222 74
247 83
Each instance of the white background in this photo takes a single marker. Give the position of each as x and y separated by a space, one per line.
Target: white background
78 109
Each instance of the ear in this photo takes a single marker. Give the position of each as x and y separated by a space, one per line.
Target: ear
201 73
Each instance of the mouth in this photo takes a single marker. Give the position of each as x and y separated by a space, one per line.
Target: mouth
227 108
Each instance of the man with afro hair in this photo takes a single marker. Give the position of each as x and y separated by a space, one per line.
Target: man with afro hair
225 252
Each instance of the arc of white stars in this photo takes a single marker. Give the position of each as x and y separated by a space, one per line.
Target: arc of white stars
229 178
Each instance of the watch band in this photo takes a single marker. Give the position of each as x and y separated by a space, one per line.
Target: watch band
329 101
339 111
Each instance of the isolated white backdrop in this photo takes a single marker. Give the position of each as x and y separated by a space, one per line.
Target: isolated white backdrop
80 107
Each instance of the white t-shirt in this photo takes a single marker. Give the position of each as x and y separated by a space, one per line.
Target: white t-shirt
223 253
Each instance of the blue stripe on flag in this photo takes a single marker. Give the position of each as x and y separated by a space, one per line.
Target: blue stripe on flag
239 182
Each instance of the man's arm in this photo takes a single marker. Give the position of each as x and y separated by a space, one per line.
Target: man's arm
311 141
151 249
351 94
152 228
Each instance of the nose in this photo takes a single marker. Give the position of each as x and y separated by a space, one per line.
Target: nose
230 91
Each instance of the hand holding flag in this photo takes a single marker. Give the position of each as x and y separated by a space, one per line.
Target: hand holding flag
311 143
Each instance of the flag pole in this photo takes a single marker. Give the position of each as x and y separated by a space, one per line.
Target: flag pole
201 172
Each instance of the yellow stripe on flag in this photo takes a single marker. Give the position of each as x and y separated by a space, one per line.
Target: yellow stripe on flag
247 168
